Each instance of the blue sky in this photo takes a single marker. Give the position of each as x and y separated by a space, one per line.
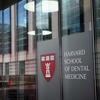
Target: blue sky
7 16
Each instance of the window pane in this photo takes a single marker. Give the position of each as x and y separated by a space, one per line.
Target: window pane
73 16
7 32
1 69
46 20
22 26
97 35
6 68
21 67
0 21
1 32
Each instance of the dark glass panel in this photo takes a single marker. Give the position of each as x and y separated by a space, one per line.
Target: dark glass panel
21 67
6 68
97 35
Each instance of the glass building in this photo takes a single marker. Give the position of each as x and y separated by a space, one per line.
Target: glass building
31 28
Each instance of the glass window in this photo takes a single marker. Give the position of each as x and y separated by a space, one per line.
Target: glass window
22 36
1 69
0 22
21 67
72 16
97 18
6 68
7 32
17 80
1 32
97 35
46 20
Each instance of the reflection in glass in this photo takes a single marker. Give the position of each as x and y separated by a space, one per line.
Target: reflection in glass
43 33
32 33
1 32
17 53
97 18
49 6
30 6
46 19
0 21
1 69
22 37
97 35
7 32
6 68
72 16
21 67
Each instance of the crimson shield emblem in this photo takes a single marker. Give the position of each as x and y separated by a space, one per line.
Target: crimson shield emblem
48 65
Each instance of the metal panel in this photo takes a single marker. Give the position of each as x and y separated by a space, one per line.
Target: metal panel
77 66
48 90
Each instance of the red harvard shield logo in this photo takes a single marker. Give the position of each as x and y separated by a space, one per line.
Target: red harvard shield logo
48 65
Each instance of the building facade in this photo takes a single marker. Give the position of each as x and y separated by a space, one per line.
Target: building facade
17 53
29 29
